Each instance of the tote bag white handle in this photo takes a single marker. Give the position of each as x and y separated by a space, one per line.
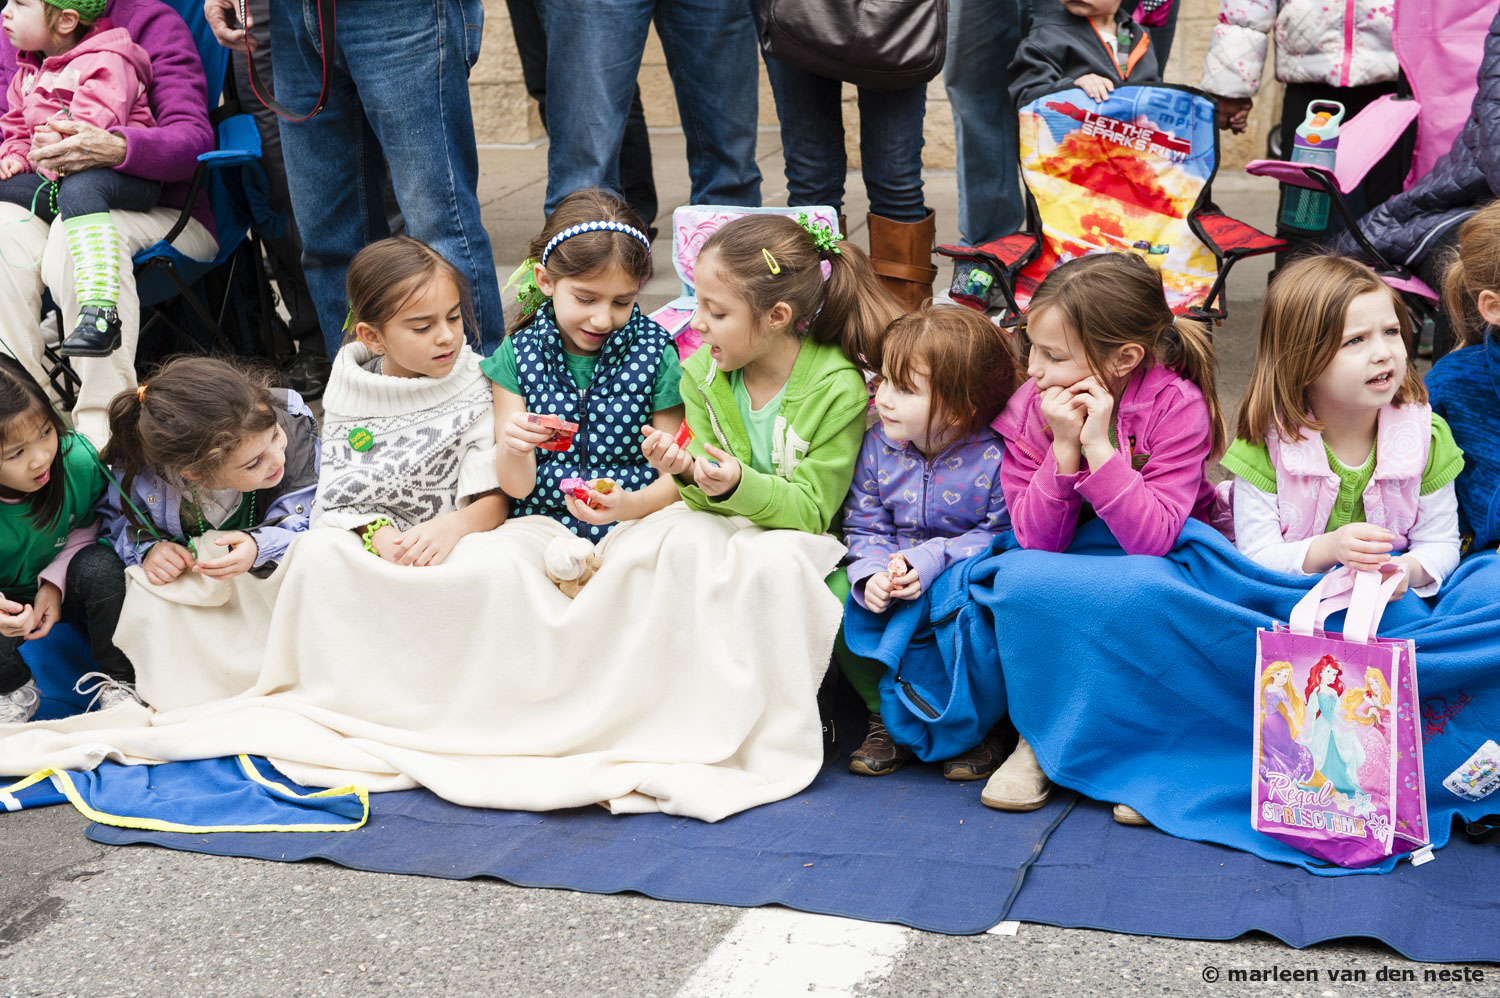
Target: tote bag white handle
1364 594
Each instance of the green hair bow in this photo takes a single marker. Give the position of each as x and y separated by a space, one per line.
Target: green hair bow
823 236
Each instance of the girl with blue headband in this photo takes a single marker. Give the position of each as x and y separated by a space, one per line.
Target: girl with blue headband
582 371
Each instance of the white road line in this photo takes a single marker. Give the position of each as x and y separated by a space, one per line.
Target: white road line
775 952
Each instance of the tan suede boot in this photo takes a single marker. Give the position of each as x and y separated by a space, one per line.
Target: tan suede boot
902 255
1019 784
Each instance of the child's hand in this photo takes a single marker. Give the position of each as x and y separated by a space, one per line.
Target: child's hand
165 561
907 585
1096 86
16 619
384 541
521 437
716 479
243 550
46 611
610 506
1362 546
663 454
1097 405
10 166
1234 113
878 592
429 543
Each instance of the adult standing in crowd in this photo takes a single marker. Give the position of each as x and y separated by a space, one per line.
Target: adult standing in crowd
593 58
637 177
35 255
398 97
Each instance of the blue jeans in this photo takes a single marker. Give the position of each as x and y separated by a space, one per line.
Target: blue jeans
812 142
399 95
593 57
983 36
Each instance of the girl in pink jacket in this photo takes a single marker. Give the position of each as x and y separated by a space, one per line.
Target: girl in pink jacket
1339 459
73 63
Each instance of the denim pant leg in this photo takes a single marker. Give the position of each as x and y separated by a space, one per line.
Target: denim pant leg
594 52
91 191
95 595
983 36
22 190
14 672
712 49
890 149
812 134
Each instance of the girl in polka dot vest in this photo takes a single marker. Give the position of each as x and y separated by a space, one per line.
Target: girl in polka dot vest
583 373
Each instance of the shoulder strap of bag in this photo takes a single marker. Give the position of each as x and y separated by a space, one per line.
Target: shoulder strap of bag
327 39
1486 829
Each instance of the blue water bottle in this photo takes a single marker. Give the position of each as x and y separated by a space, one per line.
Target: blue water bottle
1317 143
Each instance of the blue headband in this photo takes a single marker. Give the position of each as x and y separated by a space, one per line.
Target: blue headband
580 229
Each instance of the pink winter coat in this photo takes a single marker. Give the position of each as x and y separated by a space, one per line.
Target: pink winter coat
1341 43
1156 479
101 81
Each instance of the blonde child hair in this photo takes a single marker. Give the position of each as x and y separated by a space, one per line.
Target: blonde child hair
1474 270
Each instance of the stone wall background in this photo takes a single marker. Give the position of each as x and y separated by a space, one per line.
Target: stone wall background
504 114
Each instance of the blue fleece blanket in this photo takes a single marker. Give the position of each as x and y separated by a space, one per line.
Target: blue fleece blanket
1132 677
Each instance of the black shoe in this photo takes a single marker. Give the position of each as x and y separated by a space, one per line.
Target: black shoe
307 373
96 335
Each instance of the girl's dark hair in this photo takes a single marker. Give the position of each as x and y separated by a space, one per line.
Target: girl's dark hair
21 398
1111 299
1474 268
187 417
851 308
384 275
588 252
970 365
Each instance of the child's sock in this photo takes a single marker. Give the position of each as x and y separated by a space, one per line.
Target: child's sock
94 245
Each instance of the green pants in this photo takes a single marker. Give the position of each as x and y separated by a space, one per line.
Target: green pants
863 673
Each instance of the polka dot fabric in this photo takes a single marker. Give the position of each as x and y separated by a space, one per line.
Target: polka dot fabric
609 413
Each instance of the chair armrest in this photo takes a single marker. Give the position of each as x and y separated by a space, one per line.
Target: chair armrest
1363 141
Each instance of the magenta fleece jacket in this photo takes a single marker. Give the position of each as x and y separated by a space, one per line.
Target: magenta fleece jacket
178 96
1144 493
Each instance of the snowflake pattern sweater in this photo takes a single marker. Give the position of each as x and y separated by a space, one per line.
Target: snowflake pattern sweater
432 442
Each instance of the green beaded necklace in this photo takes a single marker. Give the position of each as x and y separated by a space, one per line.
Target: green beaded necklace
203 524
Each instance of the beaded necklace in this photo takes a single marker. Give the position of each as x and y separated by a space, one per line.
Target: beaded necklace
203 525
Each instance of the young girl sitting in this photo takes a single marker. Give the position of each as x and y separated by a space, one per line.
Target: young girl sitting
926 488
72 63
774 398
409 445
1118 421
1465 385
1338 459
50 565
582 353
207 445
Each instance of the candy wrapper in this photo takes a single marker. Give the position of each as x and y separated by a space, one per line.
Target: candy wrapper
562 431
578 488
683 436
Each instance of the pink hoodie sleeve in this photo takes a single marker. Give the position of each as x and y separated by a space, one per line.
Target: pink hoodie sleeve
56 571
108 90
1146 509
1043 504
13 122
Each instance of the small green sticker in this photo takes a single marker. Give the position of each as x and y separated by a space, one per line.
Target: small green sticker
361 439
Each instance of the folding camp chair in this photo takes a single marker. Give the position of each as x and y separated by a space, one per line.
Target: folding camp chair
1130 174
691 226
1439 46
229 173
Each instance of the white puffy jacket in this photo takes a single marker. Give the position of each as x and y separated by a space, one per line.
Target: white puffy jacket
1343 43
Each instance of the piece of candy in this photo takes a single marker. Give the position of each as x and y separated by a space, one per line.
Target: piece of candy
683 436
897 566
604 485
562 430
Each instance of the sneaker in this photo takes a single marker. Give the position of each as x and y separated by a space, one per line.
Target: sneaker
108 692
97 333
19 706
977 763
1127 815
879 755
307 372
1019 784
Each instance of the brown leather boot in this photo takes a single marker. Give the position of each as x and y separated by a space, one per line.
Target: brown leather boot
844 225
902 254
879 755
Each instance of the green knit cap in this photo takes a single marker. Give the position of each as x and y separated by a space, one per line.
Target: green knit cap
89 11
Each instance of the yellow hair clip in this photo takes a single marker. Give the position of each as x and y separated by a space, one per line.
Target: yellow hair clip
770 261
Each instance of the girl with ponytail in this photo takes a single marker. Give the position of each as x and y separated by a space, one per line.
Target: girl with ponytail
205 445
789 314
1120 415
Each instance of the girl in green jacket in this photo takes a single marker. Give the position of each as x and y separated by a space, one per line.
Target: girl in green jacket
775 397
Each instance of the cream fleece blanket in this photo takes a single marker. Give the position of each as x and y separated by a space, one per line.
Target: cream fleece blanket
681 679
